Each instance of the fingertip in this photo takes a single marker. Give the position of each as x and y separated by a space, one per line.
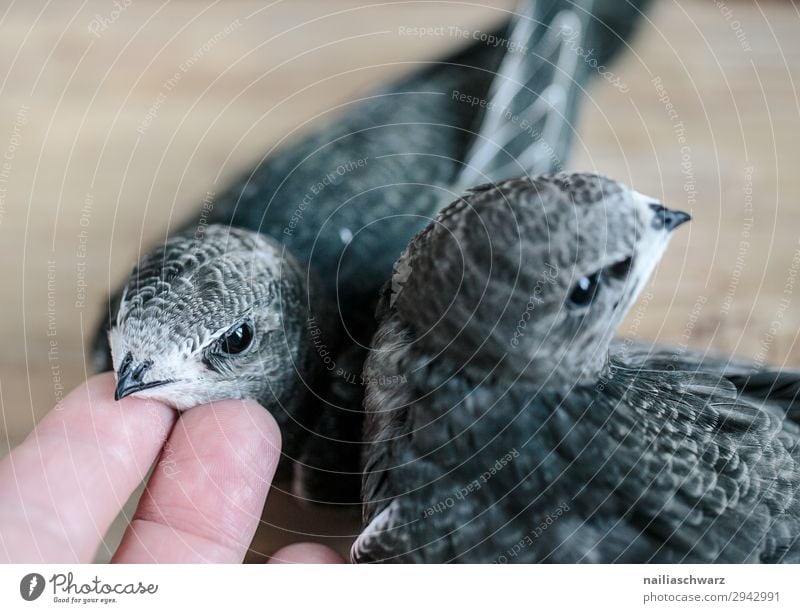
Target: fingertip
306 553
77 468
259 417
206 500
245 420
90 410
238 435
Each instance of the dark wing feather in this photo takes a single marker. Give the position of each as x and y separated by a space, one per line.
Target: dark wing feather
703 471
654 466
351 221
776 388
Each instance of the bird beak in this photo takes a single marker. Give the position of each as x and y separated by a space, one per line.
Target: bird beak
129 380
669 218
127 386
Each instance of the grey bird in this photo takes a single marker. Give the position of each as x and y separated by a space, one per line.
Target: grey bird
270 293
507 425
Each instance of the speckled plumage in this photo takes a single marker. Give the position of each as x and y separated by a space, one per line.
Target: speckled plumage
342 203
181 298
564 446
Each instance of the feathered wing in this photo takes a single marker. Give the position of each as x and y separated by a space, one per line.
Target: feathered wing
554 47
778 388
387 422
347 198
648 466
694 469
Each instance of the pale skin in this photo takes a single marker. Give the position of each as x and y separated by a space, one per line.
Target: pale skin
64 485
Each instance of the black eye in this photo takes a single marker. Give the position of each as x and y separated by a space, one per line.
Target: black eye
584 291
237 339
620 269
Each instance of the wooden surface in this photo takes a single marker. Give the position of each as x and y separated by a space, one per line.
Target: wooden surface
113 128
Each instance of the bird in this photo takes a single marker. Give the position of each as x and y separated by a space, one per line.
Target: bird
269 292
506 423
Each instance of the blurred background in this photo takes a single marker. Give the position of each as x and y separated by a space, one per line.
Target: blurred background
118 117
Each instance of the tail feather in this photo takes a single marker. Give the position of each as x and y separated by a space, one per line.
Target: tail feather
528 125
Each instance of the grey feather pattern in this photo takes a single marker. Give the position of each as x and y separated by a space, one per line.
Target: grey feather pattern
339 206
535 452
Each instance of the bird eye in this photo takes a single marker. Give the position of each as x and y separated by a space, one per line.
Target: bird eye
584 291
237 339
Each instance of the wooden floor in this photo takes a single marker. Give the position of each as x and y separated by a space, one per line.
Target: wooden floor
114 125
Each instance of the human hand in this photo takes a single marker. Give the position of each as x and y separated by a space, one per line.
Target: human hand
64 485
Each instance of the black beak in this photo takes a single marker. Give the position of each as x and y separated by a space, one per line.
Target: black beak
129 378
668 218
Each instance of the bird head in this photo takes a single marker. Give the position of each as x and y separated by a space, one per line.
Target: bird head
534 273
215 314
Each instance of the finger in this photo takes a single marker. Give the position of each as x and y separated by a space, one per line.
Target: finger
62 487
306 553
204 500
